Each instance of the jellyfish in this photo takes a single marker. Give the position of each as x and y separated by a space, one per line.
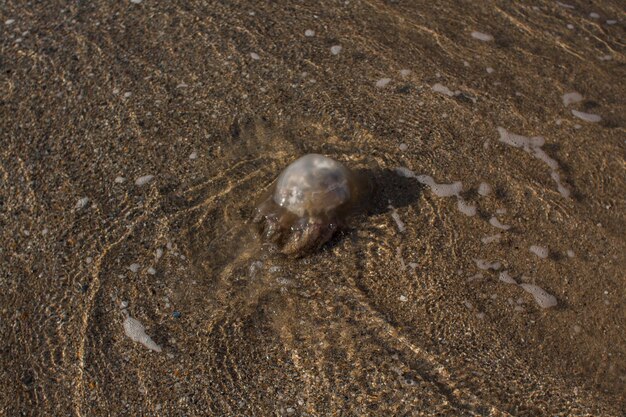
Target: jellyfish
307 204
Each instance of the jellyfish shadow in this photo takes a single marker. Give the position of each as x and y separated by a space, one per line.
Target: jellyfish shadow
383 191
386 190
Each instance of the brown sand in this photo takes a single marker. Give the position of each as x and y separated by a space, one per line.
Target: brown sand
378 322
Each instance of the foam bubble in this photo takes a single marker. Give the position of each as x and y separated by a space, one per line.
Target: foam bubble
335 49
588 117
543 298
383 82
137 333
440 88
484 189
482 264
465 208
485 37
533 146
540 251
144 180
571 98
506 277
496 223
567 6
440 190
491 239
396 217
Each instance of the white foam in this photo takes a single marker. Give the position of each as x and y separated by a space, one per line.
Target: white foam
440 88
484 189
335 49
465 208
440 190
491 239
571 98
405 172
533 146
482 264
587 117
540 251
254 55
485 37
506 277
137 333
144 180
82 202
309 33
567 6
543 299
496 223
396 217
383 82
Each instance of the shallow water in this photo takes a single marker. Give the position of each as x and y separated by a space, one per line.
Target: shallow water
138 138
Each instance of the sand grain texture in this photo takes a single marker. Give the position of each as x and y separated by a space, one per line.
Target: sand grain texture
102 105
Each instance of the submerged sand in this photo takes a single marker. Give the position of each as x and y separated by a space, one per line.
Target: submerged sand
137 135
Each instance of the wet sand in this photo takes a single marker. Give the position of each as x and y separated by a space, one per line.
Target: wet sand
137 136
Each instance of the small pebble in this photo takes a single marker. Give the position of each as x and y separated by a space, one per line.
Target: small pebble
309 33
151 271
254 56
134 267
127 94
193 155
82 202
176 314
403 298
119 180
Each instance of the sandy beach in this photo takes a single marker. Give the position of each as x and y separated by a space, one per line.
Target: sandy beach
484 275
